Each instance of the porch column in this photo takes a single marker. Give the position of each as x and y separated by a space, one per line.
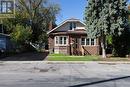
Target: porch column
70 45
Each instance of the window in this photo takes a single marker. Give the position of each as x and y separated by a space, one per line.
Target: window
3 9
88 41
6 7
60 40
83 41
92 41
72 25
56 40
64 40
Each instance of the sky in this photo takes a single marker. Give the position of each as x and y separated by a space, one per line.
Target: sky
71 9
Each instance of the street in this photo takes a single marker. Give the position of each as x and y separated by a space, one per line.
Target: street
64 74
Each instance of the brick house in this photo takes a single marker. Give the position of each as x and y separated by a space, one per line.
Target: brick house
70 38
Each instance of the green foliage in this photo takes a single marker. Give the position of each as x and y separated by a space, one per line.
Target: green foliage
109 39
106 17
121 44
31 22
21 34
34 13
38 14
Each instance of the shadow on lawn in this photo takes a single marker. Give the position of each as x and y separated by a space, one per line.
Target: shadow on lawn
101 81
30 56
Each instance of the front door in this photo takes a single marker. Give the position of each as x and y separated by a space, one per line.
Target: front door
76 46
76 43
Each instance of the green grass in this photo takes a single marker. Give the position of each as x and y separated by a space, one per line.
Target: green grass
62 57
56 55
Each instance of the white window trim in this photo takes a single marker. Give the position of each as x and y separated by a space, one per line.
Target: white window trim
95 42
62 41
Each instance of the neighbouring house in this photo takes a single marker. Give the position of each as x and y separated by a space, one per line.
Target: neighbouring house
5 43
70 38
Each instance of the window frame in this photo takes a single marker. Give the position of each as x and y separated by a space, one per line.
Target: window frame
61 41
90 42
72 25
6 6
83 41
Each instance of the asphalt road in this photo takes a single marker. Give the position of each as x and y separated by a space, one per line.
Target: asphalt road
48 74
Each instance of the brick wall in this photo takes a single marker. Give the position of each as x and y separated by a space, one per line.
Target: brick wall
51 44
61 49
93 50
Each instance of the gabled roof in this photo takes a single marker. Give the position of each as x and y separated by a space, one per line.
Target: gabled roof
68 20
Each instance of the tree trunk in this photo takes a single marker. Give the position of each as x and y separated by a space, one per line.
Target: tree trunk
103 46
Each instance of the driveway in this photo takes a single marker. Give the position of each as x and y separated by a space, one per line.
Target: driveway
64 74
29 56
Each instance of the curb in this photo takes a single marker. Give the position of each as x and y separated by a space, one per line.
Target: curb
68 62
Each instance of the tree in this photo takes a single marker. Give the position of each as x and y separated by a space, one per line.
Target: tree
33 14
20 34
103 18
38 14
121 44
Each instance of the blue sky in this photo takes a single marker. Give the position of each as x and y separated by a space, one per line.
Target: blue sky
71 9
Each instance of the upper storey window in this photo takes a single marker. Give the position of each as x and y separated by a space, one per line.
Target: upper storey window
72 25
6 7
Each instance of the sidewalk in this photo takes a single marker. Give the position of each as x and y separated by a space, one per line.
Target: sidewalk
69 62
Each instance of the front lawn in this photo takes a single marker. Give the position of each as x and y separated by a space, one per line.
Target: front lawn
62 57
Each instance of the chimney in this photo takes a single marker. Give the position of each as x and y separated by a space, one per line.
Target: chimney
129 7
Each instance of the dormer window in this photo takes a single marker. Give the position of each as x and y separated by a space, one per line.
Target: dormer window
72 25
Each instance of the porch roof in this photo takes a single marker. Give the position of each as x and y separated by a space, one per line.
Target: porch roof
69 33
